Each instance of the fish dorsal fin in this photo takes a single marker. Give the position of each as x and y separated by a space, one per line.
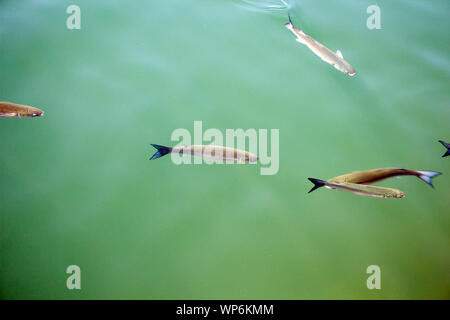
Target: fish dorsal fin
339 54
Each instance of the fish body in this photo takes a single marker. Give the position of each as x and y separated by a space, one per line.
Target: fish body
375 175
447 145
358 182
334 58
12 110
207 151
359 189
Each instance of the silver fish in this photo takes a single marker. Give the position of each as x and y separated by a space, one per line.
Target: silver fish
359 189
334 58
208 151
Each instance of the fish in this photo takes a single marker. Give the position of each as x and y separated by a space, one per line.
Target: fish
209 151
359 182
359 189
376 175
336 59
13 110
447 145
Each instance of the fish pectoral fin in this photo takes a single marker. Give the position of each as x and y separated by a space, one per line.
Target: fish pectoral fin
339 54
300 40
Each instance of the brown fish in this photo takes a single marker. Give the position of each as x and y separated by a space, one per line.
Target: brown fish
12 110
358 182
375 175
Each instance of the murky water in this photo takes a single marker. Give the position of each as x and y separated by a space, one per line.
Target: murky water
76 186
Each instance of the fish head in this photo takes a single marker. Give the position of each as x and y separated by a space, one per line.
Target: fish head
38 113
251 158
351 72
397 195
394 193
32 112
345 68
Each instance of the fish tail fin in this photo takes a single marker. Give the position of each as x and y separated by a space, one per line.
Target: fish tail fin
317 184
162 151
289 25
447 145
427 176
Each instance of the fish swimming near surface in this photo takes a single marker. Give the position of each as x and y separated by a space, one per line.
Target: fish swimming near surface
207 151
447 145
12 110
358 182
334 58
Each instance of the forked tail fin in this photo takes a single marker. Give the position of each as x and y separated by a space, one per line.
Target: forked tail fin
317 184
289 25
447 145
427 176
162 151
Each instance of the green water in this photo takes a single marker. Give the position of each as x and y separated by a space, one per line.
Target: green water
76 186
